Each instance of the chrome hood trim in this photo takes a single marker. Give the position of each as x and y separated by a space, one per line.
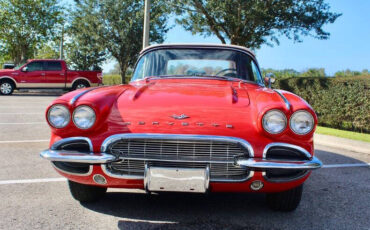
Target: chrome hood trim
286 102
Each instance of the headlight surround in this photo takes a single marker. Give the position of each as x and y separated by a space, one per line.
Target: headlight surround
84 117
301 122
58 116
274 121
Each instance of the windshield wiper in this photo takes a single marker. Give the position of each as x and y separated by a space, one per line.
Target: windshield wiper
222 77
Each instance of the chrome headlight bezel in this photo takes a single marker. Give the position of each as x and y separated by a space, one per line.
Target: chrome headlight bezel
310 119
274 112
78 123
67 118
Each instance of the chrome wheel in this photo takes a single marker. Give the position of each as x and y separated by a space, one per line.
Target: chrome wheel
6 88
80 86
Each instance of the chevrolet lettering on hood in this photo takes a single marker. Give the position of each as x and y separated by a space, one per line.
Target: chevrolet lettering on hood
194 118
180 117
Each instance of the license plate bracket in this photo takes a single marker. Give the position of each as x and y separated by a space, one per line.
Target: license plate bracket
164 179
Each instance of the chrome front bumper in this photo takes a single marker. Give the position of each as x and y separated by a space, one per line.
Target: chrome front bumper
253 163
76 157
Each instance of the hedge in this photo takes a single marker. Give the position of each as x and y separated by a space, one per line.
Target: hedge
340 102
113 79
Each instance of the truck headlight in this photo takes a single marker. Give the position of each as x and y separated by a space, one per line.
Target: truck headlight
84 117
274 121
58 116
301 122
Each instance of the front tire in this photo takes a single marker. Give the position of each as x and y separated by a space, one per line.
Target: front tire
6 87
285 201
86 193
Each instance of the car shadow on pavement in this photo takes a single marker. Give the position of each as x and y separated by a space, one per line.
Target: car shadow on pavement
56 93
178 210
324 205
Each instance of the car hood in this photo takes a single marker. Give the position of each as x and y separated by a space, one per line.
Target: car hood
164 98
176 93
183 106
215 102
5 71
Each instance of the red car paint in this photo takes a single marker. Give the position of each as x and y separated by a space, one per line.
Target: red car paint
43 76
203 101
225 108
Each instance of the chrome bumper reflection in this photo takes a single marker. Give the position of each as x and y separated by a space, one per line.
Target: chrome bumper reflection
253 163
76 157
263 164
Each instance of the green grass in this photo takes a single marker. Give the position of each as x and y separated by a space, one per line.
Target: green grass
343 134
112 79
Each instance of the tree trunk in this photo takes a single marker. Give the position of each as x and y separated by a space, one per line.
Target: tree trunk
24 53
123 69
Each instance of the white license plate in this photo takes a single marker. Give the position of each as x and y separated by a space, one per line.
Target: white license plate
176 179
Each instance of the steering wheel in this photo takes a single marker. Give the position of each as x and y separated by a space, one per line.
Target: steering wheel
233 72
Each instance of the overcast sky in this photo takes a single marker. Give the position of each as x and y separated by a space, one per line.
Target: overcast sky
348 46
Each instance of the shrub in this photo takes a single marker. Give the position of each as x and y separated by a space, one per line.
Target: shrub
350 73
340 102
114 79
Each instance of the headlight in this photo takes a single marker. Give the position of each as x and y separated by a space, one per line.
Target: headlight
84 117
301 122
59 116
274 121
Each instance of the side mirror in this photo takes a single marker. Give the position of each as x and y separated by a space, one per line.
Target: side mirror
269 79
25 69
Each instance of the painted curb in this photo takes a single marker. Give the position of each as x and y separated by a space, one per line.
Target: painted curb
342 143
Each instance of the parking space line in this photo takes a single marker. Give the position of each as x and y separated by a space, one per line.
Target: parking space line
20 113
23 107
23 101
346 165
23 141
24 123
28 181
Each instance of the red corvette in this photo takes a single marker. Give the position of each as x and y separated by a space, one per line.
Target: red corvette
194 118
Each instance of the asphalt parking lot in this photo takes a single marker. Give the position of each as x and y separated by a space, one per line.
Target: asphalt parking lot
34 196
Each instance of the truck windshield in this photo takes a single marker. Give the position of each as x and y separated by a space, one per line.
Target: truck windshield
197 62
17 67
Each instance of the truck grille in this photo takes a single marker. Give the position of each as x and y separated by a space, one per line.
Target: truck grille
218 155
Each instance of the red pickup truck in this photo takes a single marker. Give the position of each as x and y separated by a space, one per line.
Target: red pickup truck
46 74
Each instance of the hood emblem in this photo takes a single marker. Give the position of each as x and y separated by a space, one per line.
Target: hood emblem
180 117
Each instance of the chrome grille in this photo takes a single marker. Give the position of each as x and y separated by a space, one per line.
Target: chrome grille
218 155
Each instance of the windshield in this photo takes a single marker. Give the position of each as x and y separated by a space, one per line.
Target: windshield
19 66
197 62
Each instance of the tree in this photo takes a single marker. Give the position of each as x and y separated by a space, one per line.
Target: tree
3 59
255 22
83 50
25 25
314 72
285 73
350 73
116 70
117 26
80 55
47 51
